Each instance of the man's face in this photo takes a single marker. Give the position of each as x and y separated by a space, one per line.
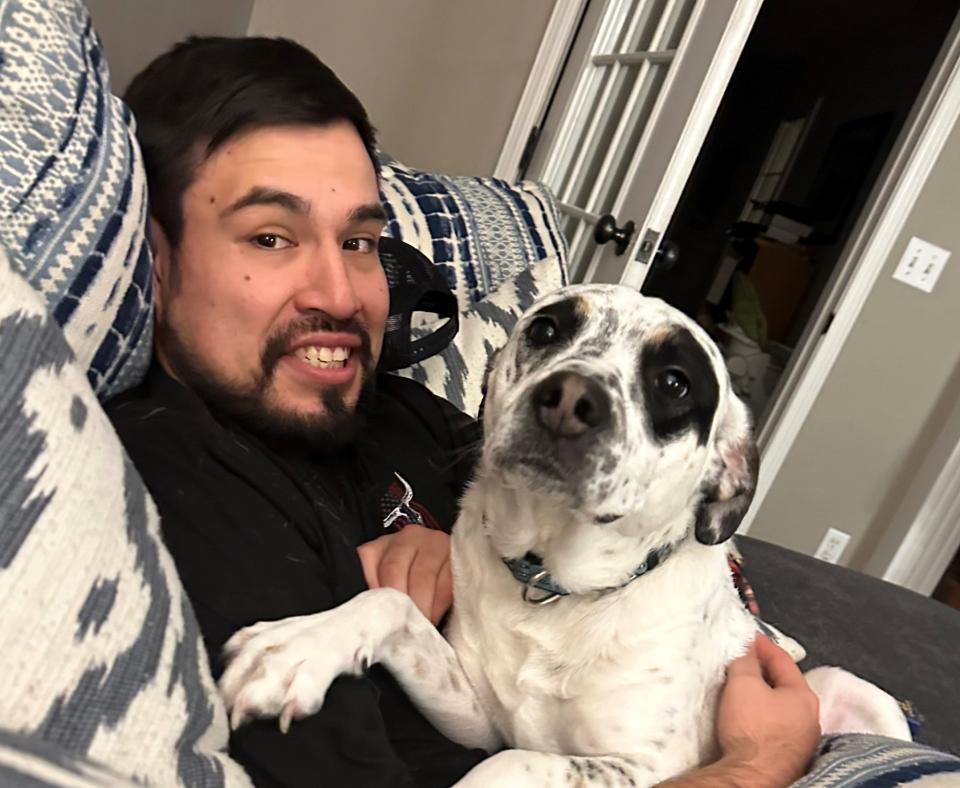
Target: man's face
273 305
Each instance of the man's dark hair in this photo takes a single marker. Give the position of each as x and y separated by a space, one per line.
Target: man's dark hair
191 100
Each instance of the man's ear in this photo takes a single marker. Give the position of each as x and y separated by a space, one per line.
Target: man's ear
727 495
162 262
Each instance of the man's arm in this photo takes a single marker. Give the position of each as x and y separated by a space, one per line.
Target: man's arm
767 724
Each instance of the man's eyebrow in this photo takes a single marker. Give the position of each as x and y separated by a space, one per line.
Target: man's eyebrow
371 212
264 195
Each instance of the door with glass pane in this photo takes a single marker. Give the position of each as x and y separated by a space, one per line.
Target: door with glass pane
642 86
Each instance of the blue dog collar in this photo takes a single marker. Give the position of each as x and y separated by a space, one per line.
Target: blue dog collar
530 572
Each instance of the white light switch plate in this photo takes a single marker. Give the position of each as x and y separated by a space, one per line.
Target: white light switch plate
921 264
832 547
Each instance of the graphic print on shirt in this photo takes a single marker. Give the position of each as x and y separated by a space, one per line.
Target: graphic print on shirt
398 508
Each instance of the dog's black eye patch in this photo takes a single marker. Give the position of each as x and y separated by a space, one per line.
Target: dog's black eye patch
680 389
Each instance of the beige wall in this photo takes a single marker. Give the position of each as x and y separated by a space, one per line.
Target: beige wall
134 32
441 79
888 415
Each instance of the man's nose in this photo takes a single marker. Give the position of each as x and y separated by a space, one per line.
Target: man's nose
328 285
569 405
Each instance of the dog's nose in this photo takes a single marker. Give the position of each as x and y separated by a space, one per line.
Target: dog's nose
570 405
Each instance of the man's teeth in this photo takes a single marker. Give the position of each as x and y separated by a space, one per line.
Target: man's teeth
323 356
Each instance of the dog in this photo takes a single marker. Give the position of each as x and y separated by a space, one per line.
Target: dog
594 613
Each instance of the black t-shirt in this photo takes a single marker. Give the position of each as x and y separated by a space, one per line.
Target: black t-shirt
259 536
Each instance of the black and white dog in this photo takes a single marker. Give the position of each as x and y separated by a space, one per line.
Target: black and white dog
594 612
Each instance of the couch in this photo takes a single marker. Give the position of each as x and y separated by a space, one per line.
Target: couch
103 679
904 642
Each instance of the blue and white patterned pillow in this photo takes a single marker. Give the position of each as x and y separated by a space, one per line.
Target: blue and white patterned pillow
482 231
501 248
73 189
30 762
101 654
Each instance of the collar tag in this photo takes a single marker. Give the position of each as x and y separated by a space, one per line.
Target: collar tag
547 598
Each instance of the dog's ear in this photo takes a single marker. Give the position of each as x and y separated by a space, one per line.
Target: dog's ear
727 495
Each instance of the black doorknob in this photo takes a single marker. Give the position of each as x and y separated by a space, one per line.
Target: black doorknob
607 230
666 256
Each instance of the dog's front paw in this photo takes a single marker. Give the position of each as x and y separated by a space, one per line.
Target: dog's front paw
284 668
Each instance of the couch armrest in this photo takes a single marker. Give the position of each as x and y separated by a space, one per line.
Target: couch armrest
905 643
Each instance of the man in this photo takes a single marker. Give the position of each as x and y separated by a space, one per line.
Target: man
270 446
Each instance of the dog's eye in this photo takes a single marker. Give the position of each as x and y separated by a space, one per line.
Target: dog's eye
542 331
673 383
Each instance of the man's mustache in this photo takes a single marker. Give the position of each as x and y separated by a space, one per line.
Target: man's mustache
280 343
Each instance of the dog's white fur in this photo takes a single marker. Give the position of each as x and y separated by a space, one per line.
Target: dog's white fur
625 681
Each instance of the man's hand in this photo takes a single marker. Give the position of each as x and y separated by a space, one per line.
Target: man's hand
415 560
768 718
767 724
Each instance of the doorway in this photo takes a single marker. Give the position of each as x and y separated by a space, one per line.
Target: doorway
948 589
817 100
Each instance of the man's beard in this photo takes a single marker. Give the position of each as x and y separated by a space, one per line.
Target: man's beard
248 404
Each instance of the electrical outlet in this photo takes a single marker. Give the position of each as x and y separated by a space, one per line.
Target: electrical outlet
832 547
921 264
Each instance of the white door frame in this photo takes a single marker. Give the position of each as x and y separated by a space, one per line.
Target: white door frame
695 131
866 254
934 535
657 150
544 75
